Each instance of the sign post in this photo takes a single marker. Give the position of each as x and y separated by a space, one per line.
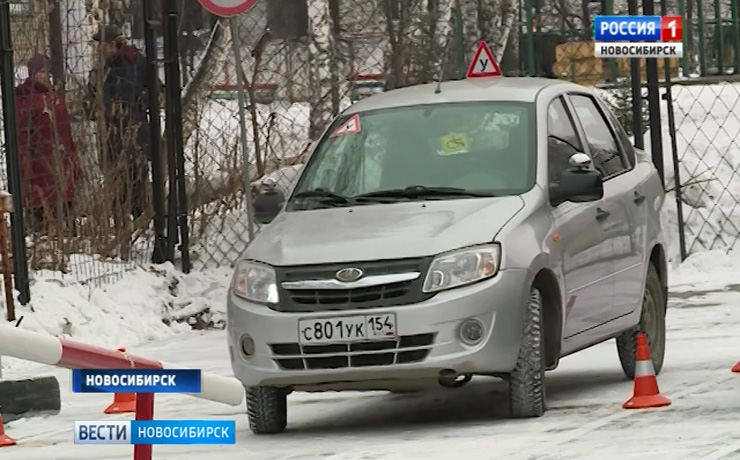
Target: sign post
230 9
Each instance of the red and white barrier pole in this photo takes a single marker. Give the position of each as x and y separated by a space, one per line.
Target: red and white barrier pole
46 349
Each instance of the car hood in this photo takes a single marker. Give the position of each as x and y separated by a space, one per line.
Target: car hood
383 231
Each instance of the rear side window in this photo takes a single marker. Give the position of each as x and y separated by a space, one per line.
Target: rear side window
629 149
601 140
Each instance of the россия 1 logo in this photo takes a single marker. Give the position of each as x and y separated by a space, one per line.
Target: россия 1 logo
620 36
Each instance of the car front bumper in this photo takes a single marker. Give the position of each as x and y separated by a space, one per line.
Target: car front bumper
429 339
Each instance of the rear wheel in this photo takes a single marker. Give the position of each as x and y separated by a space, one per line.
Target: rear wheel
652 323
527 381
267 409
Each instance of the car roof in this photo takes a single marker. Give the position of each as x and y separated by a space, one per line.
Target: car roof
510 89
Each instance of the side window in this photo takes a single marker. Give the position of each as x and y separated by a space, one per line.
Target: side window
562 139
629 149
600 138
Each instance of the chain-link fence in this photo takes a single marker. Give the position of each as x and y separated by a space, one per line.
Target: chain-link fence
76 201
303 61
699 97
706 123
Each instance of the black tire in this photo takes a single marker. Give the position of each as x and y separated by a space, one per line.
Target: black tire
652 323
527 381
267 409
23 398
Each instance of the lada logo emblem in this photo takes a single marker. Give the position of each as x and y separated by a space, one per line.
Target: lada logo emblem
349 274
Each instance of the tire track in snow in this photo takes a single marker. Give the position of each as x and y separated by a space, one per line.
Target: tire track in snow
546 447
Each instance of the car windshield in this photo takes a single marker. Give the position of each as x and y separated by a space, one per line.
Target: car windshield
439 151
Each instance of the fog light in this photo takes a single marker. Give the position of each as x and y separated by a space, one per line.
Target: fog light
247 345
471 332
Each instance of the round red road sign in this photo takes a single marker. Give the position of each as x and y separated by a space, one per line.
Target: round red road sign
227 8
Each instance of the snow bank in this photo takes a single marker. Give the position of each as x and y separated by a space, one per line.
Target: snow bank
708 270
146 304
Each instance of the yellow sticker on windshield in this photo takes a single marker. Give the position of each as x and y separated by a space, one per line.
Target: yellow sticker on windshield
455 143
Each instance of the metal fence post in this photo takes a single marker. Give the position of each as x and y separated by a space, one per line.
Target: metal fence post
174 125
531 65
719 36
668 97
613 73
7 77
702 39
155 128
636 84
688 41
6 207
735 38
246 164
656 134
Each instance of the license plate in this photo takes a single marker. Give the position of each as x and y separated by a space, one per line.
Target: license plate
347 329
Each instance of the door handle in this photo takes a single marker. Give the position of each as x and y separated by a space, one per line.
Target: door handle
639 198
601 214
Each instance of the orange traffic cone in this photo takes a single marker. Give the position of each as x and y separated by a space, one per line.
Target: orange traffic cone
736 368
5 440
646 393
123 403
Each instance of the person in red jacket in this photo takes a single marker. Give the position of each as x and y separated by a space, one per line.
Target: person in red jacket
49 164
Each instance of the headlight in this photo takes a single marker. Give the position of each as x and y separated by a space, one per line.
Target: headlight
256 282
462 267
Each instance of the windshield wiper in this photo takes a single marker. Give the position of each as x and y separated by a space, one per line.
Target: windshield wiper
324 193
421 191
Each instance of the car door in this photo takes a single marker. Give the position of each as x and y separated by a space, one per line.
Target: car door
621 206
630 273
585 252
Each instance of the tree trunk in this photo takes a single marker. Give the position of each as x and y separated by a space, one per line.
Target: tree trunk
504 23
471 29
322 70
57 47
442 36
390 10
421 47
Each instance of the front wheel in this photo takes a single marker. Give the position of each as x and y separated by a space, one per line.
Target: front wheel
652 323
527 381
267 409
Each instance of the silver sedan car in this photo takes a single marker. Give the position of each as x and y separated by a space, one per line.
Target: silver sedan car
482 227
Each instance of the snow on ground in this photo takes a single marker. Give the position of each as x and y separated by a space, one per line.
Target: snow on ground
146 304
585 418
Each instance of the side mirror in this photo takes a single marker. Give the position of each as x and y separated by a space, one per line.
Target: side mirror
579 183
267 205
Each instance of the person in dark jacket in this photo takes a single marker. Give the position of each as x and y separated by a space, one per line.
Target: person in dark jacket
49 162
118 90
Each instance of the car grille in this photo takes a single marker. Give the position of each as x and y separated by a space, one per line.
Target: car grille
388 295
404 350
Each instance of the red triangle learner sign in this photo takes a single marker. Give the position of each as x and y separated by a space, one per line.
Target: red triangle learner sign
351 126
483 63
